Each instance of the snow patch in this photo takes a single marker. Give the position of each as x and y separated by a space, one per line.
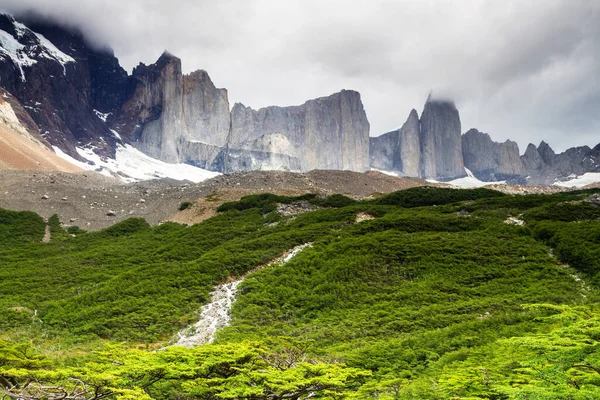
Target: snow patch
51 52
11 48
131 165
386 172
581 180
22 55
102 116
470 181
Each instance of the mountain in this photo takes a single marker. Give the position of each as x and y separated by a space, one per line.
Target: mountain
492 161
61 81
434 143
399 150
82 100
21 145
429 147
441 152
544 166
81 103
325 133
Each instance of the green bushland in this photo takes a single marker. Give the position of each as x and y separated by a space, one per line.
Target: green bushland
435 298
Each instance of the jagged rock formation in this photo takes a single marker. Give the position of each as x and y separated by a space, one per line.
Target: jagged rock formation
441 148
185 118
60 81
428 148
79 97
489 160
174 117
70 95
543 166
398 150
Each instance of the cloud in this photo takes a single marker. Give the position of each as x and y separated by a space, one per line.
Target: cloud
526 71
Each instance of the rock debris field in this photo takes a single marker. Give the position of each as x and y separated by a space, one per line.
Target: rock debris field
93 201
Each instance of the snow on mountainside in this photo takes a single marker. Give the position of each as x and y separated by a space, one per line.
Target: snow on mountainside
27 47
21 150
470 181
131 165
580 181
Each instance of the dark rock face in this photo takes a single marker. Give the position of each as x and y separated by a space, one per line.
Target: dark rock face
60 81
440 140
489 160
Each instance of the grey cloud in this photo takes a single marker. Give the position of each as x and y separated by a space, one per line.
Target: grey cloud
520 70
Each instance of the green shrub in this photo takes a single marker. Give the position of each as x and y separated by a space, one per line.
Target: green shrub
185 205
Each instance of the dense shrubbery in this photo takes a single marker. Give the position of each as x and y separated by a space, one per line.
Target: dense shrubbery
429 196
20 227
420 302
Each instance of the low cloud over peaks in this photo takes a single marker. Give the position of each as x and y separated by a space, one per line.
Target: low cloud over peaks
524 71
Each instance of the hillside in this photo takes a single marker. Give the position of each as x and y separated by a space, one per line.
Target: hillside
19 148
423 293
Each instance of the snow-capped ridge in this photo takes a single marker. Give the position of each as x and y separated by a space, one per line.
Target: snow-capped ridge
28 47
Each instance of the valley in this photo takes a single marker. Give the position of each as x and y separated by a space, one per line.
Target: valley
433 295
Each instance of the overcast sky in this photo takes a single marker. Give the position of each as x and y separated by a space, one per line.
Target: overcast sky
520 70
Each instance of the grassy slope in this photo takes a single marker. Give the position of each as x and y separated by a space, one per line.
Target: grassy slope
400 295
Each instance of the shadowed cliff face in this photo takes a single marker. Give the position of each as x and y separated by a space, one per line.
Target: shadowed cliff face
441 149
60 81
399 150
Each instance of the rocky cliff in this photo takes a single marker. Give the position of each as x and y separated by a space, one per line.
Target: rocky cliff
174 117
60 81
399 150
440 140
491 161
325 133
75 96
429 148
185 118
543 166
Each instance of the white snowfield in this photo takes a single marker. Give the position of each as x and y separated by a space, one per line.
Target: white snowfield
581 180
468 182
131 165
